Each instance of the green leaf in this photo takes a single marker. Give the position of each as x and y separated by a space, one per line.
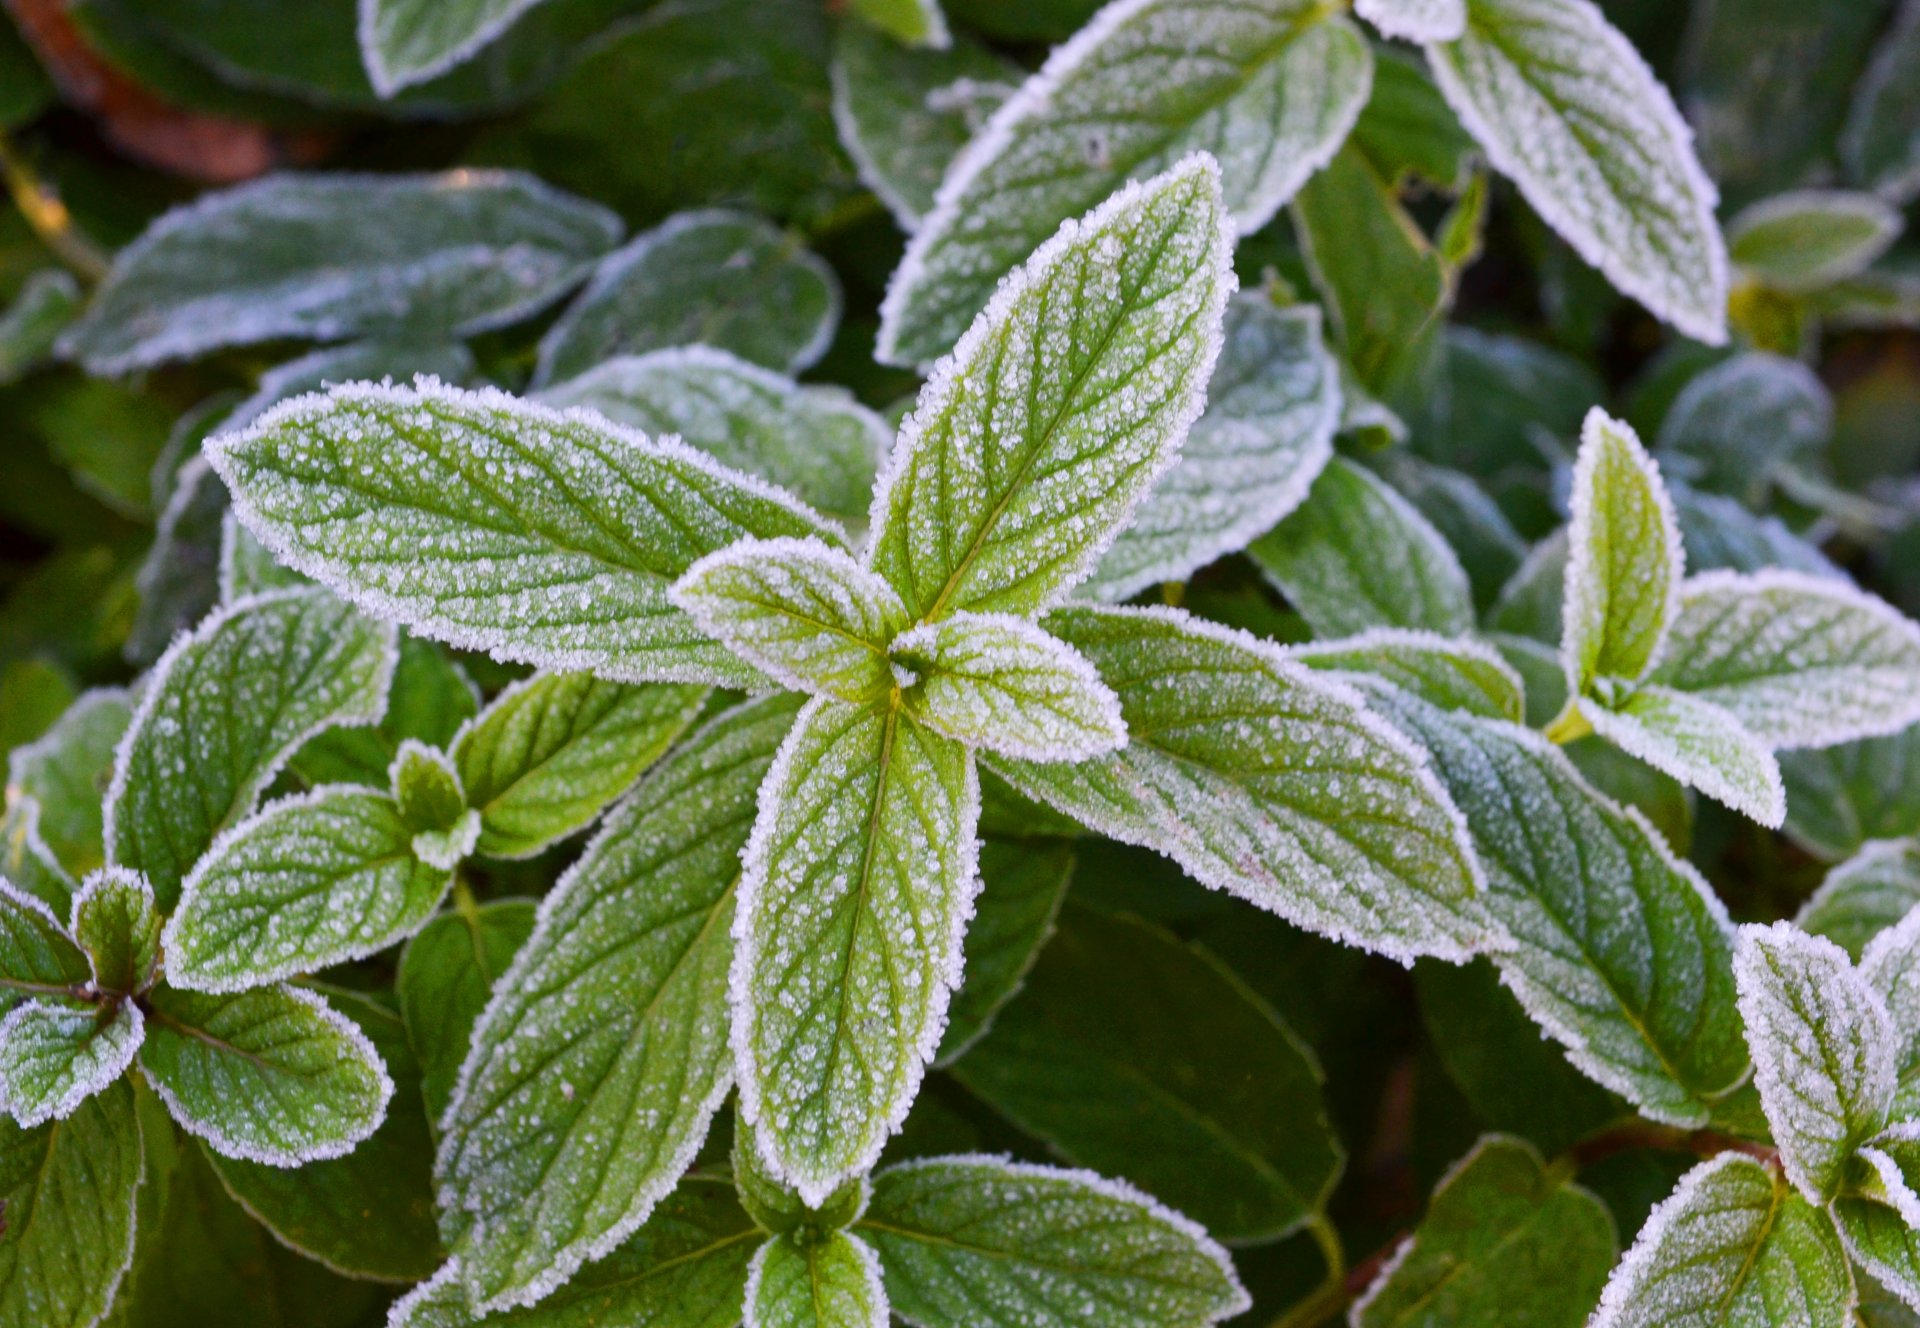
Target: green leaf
1733 1247
69 1189
1272 405
179 580
324 257
1264 779
1021 888
116 923
1416 20
1137 1055
66 771
430 699
1460 674
391 496
405 42
273 1075
776 1206
806 614
430 802
1879 143
309 882
1069 394
447 973
858 881
1880 1241
1001 684
1734 425
727 280
1840 797
816 442
603 1053
1504 1241
1891 966
832 1282
1698 743
1812 238
1269 87
1406 127
55 1057
30 325
1802 661
914 22
1564 105
1865 895
1357 555
37 957
549 753
1720 534
223 709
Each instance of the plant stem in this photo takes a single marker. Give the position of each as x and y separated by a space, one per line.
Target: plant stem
1332 1295
1567 726
40 205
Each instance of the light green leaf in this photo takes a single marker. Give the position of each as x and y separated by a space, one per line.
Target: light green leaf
447 972
1270 87
833 1282
1069 394
1416 20
776 1206
1880 1241
603 1053
1272 405
1812 238
1698 743
1021 888
727 280
37 957
1736 423
549 753
1564 105
116 923
914 22
430 801
858 881
45 304
273 1075
1733 1247
54 1057
1460 674
1504 1241
1357 555
1840 797
1802 661
815 441
1264 779
1406 129
395 497
311 881
1865 895
325 257
805 614
66 770
1891 966
223 709
404 42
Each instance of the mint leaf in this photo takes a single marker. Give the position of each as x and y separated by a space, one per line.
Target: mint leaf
1000 684
45 304
1865 895
1416 20
1564 105
776 1206
1882 1242
1356 555
859 879
1802 661
1271 88
965 1237
915 22
1840 797
431 803
1268 781
1737 422
272 1075
1069 394
1698 743
116 923
806 614
394 497
447 973
404 42
66 770
1811 238
1891 967
1021 887
325 257
603 1053
832 1282
309 882
54 1057
1878 142
1459 674
430 699
223 709
550 752
37 957
727 280
25 858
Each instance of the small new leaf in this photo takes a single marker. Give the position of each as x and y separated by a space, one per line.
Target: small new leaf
1802 241
426 791
831 1282
37 956
54 1057
116 923
1699 744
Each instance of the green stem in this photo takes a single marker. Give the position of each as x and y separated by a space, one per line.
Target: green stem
40 205
1332 1295
1568 726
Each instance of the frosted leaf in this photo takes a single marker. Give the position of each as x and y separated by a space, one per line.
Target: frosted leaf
54 1057
1732 1247
426 790
777 1207
728 280
1802 241
1416 20
430 699
309 882
1722 535
1838 798
46 303
970 1239
1890 1173
1356 555
1891 967
178 580
1865 895
831 1282
1021 888
1034 441
1460 674
1272 405
549 753
495 524
63 770
1884 1243
272 1075
816 442
248 567
1698 743
603 1053
1621 952
26 861
37 956
325 257
1566 107
1802 661
1268 781
914 22
1001 684
1880 143
1269 87
1735 424
859 879
803 613
116 923
1823 1051
221 713
1529 603
404 42
446 975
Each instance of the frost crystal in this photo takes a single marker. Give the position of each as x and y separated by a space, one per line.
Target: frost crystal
1416 20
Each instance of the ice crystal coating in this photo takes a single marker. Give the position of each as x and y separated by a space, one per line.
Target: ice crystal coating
1733 425
426 789
492 523
1034 441
446 975
1267 432
1698 743
1810 238
1459 674
47 302
1567 108
1416 20
1838 798
1269 87
1883 1242
63 769
1891 967
404 42
37 956
54 1057
832 1282
331 256
1865 895
728 280
858 882
25 858
1021 889
776 1206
